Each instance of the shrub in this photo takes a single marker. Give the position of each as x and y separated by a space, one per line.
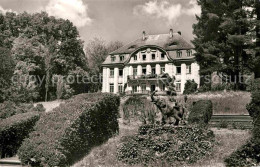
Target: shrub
14 130
9 108
223 124
175 145
247 155
254 108
204 88
139 108
201 112
190 87
63 136
39 108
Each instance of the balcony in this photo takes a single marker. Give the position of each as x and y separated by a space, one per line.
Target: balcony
147 77
145 92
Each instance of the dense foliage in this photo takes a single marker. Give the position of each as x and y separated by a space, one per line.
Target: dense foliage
41 47
9 108
190 87
139 108
201 112
254 106
245 156
96 53
14 130
224 34
248 154
174 145
71 130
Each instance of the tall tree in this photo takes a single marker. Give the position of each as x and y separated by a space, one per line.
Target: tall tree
96 53
6 70
42 45
222 37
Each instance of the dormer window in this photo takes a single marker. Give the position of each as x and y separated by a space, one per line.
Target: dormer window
144 57
113 58
135 57
153 56
179 53
189 53
162 56
122 57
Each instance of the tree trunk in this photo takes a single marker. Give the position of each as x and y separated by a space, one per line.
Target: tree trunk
47 84
257 8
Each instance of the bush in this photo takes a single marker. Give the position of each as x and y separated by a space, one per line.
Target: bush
139 108
217 87
9 108
223 124
254 108
201 112
14 130
65 135
247 155
175 145
190 87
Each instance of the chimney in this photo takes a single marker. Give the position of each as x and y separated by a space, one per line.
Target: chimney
179 32
143 35
171 33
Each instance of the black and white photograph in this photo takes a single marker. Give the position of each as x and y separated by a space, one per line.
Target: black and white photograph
129 83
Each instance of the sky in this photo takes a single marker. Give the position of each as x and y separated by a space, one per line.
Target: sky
116 20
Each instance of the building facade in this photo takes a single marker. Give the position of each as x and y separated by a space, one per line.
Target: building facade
139 66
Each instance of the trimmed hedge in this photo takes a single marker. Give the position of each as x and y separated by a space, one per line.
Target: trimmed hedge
174 146
14 130
190 87
201 112
65 135
9 108
247 155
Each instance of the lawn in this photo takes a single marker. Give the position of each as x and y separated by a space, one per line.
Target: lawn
105 155
226 103
228 140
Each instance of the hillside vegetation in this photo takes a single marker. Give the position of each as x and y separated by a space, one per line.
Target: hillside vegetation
227 103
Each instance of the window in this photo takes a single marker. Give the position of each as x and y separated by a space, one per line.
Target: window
144 70
179 53
178 87
143 88
153 56
162 70
188 69
135 72
120 88
134 88
122 57
162 56
111 73
144 57
120 72
111 88
189 53
163 87
113 58
178 70
135 57
152 88
153 70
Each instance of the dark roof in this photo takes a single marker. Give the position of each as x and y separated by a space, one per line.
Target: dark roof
162 40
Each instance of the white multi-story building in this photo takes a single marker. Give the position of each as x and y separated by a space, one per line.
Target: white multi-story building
136 67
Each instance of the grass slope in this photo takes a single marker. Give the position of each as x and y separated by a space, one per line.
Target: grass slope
229 103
